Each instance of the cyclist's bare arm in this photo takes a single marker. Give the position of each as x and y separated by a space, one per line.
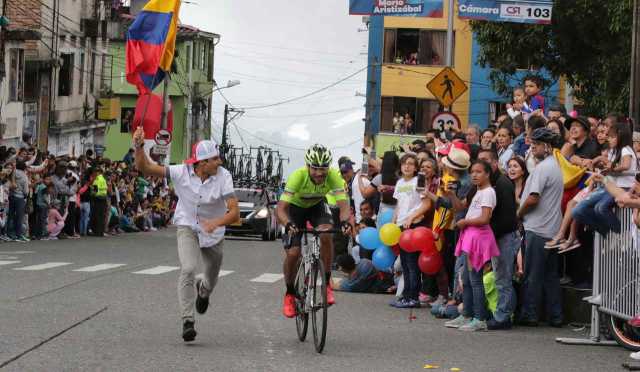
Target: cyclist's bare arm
143 164
282 212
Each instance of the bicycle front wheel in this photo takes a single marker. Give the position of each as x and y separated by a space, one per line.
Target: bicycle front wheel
318 289
302 317
626 335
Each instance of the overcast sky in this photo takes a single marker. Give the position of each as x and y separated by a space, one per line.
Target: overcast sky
282 49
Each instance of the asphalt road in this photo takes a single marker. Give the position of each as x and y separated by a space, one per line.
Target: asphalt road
117 319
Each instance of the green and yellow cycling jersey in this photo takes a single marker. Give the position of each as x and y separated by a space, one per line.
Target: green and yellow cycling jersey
302 192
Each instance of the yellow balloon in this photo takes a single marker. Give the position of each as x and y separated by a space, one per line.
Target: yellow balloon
390 234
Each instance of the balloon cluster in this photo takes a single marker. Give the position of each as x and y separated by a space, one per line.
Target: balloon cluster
387 240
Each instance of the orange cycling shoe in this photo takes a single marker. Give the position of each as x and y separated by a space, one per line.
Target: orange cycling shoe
330 298
289 306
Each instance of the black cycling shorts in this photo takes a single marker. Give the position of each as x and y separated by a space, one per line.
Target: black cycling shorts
319 214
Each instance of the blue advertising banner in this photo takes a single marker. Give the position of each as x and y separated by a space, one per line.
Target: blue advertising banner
523 11
410 8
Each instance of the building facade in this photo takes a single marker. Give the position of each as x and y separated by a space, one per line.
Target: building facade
55 61
189 90
405 54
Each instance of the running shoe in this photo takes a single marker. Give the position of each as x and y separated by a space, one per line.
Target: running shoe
289 306
457 322
406 303
188 331
202 303
474 325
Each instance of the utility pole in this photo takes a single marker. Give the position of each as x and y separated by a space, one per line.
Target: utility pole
450 13
224 126
634 88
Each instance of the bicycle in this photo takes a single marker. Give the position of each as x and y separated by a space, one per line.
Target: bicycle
311 290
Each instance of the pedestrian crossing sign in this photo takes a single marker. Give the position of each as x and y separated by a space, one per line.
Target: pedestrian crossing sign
447 87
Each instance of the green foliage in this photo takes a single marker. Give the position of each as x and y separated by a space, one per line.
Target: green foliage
588 42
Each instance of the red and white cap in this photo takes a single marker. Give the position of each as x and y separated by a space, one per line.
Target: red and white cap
203 150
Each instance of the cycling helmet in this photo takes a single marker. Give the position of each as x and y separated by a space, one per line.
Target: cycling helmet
318 156
544 135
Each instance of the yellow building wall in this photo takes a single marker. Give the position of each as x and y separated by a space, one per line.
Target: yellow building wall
410 84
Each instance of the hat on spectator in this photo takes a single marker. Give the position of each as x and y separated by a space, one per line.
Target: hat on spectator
346 166
636 136
580 120
345 160
458 144
457 159
203 150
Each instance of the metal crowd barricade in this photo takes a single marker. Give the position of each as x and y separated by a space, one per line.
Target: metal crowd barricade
616 278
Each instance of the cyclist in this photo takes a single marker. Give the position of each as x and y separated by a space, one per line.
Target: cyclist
304 201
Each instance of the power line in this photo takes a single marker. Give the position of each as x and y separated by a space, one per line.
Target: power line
304 115
293 49
308 94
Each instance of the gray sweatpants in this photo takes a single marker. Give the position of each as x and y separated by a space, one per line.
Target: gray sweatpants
189 253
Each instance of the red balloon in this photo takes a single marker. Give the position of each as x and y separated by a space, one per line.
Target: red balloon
422 240
405 241
395 249
430 264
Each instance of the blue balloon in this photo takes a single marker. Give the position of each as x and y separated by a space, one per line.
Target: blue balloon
383 258
369 238
385 218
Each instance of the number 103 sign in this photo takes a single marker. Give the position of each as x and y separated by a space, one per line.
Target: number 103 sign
506 11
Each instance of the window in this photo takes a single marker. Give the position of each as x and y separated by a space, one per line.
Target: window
188 59
416 111
126 120
65 77
203 55
16 74
415 46
92 73
196 49
83 75
210 63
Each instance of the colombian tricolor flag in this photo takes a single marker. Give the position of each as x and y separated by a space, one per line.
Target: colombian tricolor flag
151 43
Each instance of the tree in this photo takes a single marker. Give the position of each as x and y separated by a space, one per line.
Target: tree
588 42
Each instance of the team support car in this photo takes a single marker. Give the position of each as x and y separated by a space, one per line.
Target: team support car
257 214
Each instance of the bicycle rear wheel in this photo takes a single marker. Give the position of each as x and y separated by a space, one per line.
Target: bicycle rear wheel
302 317
318 289
626 335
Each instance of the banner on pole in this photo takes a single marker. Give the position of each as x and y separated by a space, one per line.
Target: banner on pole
408 8
523 11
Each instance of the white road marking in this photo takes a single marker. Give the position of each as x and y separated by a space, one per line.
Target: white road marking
224 273
2 263
16 252
4 257
91 269
45 266
157 270
267 278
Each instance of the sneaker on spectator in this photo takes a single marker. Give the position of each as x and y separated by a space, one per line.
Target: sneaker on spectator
5 238
153 229
405 303
23 238
635 356
438 302
424 298
52 238
457 322
474 326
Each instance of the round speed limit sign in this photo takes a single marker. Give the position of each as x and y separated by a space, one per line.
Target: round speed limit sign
445 121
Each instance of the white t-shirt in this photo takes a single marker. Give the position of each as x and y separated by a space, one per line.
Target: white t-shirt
355 192
483 198
627 180
408 198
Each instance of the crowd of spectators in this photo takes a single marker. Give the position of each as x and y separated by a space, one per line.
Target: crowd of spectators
513 208
44 197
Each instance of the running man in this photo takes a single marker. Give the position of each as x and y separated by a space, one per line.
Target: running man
304 200
206 204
